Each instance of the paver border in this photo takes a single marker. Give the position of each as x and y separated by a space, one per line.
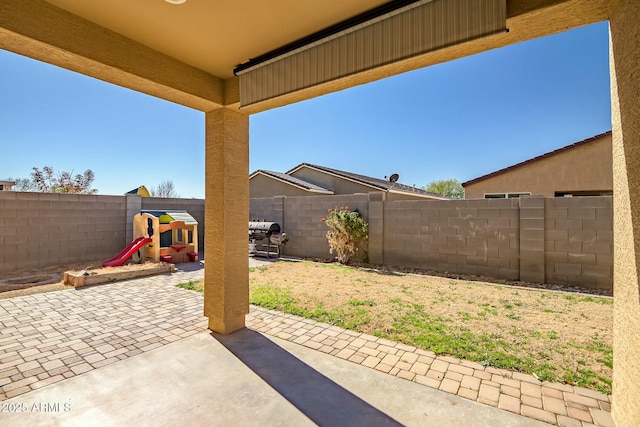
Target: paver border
554 403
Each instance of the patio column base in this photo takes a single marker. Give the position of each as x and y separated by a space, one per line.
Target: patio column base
227 326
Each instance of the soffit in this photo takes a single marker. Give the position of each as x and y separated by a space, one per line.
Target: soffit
215 36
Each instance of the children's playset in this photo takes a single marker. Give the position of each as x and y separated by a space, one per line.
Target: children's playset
167 236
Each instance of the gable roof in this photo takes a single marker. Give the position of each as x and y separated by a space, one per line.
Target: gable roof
292 180
376 183
537 158
173 215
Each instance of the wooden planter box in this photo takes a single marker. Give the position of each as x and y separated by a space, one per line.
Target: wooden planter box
86 278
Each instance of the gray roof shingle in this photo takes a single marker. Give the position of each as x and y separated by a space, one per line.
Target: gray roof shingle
293 180
381 184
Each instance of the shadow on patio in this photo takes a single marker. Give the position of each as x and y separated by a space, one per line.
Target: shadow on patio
315 395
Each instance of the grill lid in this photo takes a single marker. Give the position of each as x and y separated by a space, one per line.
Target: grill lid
264 227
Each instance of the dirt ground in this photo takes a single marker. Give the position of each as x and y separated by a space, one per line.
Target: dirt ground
17 283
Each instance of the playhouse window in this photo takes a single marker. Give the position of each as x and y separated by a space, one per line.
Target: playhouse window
166 239
179 236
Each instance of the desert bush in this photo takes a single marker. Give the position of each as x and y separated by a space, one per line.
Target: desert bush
347 230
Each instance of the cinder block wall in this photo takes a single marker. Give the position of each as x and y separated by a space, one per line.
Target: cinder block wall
457 236
43 229
561 240
302 221
133 207
579 241
262 209
564 241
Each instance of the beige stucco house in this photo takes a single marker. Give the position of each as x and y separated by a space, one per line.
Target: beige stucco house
580 169
307 179
6 185
231 59
264 183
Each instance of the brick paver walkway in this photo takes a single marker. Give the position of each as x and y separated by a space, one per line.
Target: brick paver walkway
46 338
523 394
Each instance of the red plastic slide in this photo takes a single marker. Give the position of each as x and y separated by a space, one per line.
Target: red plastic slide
126 253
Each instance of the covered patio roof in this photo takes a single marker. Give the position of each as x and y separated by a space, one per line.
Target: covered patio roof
187 53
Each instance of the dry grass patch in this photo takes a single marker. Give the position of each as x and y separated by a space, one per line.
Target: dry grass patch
557 336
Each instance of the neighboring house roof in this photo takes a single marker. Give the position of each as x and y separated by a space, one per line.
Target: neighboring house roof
537 158
376 183
292 180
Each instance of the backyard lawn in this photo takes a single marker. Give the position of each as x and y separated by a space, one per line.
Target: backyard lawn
557 336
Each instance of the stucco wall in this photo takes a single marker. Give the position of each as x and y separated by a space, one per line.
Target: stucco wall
583 168
263 186
625 117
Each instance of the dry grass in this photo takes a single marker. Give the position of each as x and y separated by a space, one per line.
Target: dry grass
556 335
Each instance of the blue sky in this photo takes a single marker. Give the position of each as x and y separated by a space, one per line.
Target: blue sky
461 120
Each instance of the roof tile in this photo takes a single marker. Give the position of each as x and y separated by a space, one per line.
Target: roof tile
293 180
381 184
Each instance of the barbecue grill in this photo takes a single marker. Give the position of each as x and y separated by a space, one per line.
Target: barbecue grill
265 237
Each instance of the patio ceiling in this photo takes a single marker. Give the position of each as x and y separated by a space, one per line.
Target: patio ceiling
215 36
187 53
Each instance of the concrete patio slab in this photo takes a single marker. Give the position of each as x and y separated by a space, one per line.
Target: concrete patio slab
245 379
